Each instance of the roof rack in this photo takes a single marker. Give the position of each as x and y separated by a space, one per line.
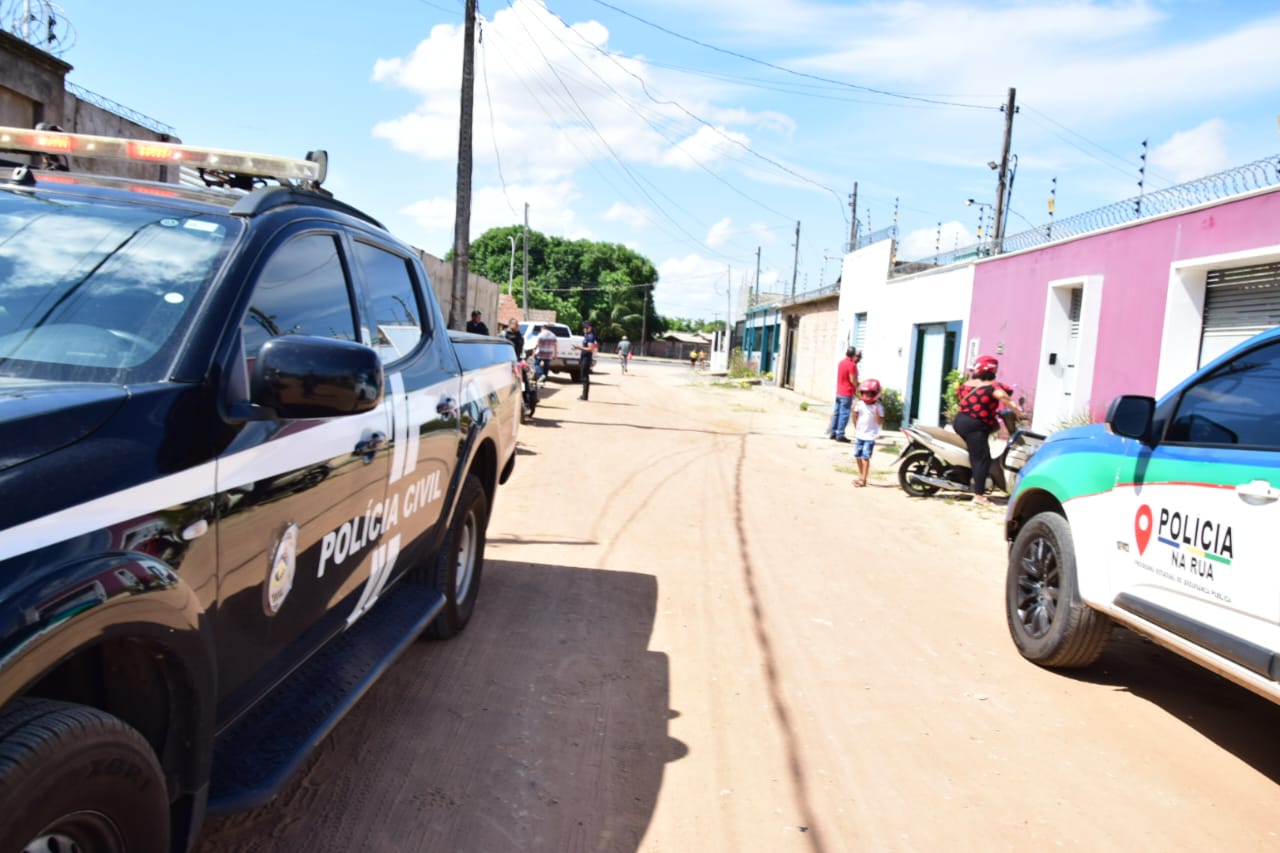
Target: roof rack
217 166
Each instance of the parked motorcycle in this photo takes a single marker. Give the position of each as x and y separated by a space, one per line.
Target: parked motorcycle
528 390
936 458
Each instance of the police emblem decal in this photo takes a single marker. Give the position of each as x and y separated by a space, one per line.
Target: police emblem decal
280 576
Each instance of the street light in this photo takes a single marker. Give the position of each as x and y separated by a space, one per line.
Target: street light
982 213
511 276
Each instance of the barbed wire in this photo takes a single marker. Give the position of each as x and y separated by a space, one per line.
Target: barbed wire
40 23
1238 180
119 109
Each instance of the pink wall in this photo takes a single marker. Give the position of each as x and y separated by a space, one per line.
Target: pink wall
1009 292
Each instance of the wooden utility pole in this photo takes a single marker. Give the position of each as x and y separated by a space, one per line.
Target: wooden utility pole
462 211
997 242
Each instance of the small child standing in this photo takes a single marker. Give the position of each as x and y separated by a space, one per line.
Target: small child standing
868 414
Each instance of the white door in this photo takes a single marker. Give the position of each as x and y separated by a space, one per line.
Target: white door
932 343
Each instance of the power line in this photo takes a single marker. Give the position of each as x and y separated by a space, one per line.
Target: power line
493 130
614 154
667 102
1127 169
743 56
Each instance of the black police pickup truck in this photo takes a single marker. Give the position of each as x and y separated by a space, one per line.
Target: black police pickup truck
243 464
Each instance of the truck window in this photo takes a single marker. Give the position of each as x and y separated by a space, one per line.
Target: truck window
302 290
1237 404
397 312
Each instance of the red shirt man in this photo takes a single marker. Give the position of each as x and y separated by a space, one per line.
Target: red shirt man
847 374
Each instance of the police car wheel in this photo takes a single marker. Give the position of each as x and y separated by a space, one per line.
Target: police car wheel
1049 623
918 462
461 561
74 778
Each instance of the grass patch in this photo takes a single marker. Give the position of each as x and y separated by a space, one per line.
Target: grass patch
845 469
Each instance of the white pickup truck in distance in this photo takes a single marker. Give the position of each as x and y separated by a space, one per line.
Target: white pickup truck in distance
568 359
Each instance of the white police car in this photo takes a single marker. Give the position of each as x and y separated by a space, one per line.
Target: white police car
1162 520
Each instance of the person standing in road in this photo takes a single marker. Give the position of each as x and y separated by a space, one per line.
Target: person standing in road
546 350
513 335
868 414
979 400
624 352
588 350
475 325
846 386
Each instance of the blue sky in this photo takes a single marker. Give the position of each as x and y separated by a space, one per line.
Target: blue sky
613 124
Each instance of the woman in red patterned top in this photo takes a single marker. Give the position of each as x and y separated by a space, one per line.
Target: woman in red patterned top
980 397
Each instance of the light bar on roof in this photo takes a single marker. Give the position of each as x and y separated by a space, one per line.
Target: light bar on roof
149 151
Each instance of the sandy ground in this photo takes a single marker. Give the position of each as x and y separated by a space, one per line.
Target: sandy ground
695 634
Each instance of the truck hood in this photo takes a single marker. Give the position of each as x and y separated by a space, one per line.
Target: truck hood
40 417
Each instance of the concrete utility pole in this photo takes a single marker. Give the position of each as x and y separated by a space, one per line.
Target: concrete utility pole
997 242
756 301
526 260
795 265
462 210
853 218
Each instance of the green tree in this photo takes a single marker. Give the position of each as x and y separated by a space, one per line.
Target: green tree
606 283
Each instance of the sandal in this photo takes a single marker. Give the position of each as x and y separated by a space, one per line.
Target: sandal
982 500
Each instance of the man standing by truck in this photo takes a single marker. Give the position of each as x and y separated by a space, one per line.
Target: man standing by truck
545 352
588 350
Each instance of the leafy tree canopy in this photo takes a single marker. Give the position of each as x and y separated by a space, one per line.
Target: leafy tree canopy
606 283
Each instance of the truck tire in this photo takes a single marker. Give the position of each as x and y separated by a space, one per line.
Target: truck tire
575 374
1049 623
461 561
918 462
76 778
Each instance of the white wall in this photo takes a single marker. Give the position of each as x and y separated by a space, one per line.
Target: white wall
893 308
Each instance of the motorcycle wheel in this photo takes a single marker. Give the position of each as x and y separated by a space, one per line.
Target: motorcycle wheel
918 462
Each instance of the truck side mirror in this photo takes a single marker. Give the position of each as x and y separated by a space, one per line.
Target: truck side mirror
298 376
1130 416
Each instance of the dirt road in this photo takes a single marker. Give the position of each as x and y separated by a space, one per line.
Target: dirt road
695 634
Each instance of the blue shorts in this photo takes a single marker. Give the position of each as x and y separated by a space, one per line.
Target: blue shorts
863 448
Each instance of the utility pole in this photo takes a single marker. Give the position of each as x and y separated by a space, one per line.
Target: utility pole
756 301
511 273
997 242
644 321
795 265
853 219
462 210
526 261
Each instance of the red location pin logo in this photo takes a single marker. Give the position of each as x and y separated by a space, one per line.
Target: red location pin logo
1142 527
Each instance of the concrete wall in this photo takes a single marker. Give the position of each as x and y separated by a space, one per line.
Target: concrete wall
894 307
482 294
816 340
33 89
1143 300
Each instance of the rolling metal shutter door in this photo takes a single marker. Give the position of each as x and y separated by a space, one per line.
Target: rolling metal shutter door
1238 304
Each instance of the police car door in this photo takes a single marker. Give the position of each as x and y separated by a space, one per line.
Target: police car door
423 382
1200 514
303 499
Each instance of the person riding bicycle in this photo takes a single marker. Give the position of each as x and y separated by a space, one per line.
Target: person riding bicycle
979 400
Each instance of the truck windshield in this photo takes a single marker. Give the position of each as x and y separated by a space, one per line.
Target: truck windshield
96 291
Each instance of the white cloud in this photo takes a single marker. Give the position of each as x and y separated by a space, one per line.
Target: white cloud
549 211
724 231
628 215
705 147
555 98
693 287
1194 153
923 243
